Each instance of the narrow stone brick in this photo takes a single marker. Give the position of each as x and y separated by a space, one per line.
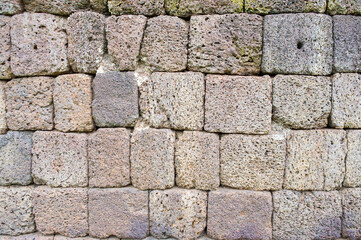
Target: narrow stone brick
344 7
235 214
30 236
164 46
58 7
178 213
315 160
29 103
284 6
60 159
59 237
351 224
61 210
173 100
109 158
152 158
100 6
124 36
115 102
3 126
297 44
5 47
11 7
39 45
137 7
235 104
121 212
353 163
72 103
306 215
301 102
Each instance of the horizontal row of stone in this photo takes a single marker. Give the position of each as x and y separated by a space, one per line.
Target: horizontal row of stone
245 44
181 213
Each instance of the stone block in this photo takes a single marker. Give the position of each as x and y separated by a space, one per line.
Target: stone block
29 103
301 102
136 7
59 237
61 210
164 45
353 163
57 7
39 45
178 213
351 224
306 215
72 103
5 47
3 126
100 6
121 212
115 101
284 6
230 44
235 214
297 44
173 100
60 159
30 236
344 7
235 104
11 7
152 158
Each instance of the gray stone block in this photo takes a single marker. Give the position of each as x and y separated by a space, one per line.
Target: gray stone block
57 7
5 47
3 126
353 163
351 205
344 7
11 7
30 236
284 6
137 7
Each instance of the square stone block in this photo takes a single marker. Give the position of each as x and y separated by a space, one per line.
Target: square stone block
3 125
301 102
235 104
344 7
115 101
235 214
178 213
297 44
57 7
61 210
11 7
173 100
306 215
164 45
353 160
121 212
5 47
60 159
72 103
109 158
30 236
351 224
315 160
39 45
152 158
230 44
29 103
138 7
284 6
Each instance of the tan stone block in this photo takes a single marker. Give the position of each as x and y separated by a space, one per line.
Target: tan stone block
351 205
3 125
58 7
353 159
5 47
11 7
284 6
137 7
100 6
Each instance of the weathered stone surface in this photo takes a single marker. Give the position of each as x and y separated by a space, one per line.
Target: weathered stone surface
60 159
284 6
72 103
15 158
29 103
178 213
306 215
100 6
5 47
301 102
124 36
351 224
346 98
115 102
11 7
230 44
61 210
315 160
30 236
121 212
347 37
109 153
235 214
164 46
3 126
39 44
152 158
235 104
59 237
353 163
344 7
173 100
138 7
297 44
58 7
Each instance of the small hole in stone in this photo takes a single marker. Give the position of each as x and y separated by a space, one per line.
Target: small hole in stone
299 45
35 46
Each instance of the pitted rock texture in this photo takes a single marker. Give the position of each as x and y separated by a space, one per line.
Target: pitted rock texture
57 7
344 7
30 236
11 7
100 6
353 163
3 125
351 224
230 44
285 6
59 237
5 47
137 7
297 44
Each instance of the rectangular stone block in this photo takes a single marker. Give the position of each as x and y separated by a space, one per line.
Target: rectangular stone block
115 101
29 103
173 100
235 214
152 158
59 237
178 213
5 47
351 205
235 104
306 215
61 210
121 212
353 163
3 125
109 158
39 45
138 7
284 6
230 44
315 160
60 159
72 103
164 45
297 44
344 7
30 236
57 7
11 7
100 6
